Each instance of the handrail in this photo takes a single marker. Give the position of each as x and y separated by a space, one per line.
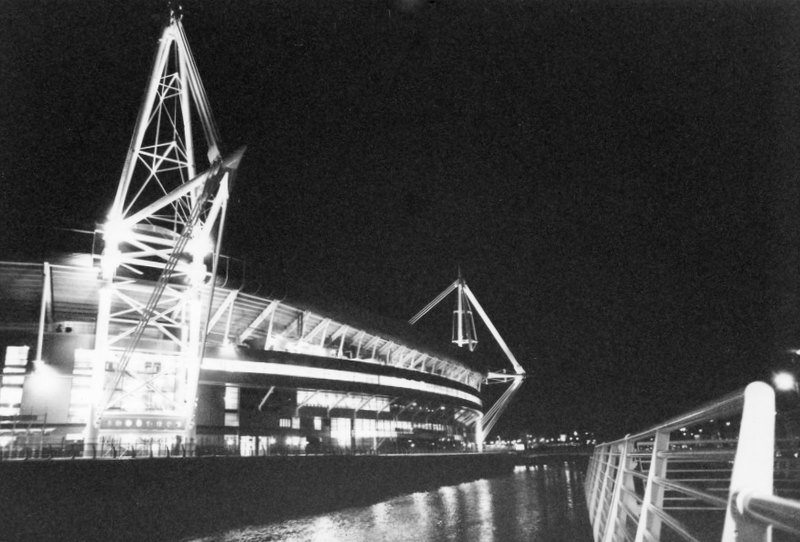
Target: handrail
783 514
649 480
689 490
728 404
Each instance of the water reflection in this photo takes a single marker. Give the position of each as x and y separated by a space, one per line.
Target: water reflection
423 523
450 504
544 503
380 513
568 475
485 510
322 527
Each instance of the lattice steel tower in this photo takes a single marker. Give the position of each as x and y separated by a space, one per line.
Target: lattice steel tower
159 256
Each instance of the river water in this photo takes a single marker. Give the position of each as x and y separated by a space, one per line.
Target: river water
543 502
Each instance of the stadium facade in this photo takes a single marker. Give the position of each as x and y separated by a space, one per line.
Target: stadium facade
142 345
274 375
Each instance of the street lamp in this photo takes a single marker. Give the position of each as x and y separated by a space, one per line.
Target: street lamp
784 381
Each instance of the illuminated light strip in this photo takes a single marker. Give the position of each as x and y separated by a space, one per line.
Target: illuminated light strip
279 369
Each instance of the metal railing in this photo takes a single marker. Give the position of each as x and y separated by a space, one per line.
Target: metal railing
36 445
705 475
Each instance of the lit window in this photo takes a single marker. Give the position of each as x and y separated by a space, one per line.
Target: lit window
16 356
285 422
11 397
294 440
365 428
231 419
231 398
13 380
317 423
340 431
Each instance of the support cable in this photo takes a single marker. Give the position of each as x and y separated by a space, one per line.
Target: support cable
433 303
465 297
517 367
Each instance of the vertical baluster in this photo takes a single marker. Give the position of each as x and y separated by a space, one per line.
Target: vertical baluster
653 492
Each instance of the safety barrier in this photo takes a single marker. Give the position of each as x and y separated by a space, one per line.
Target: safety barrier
706 475
33 447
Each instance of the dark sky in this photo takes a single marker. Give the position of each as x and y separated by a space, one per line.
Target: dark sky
617 180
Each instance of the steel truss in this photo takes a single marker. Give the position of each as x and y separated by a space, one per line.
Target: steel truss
464 334
273 324
160 230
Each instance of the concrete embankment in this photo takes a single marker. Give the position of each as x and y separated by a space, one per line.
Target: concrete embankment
169 499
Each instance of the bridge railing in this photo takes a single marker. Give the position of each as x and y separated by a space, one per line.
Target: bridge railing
705 475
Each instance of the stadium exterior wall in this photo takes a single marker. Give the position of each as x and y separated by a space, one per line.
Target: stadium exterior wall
275 395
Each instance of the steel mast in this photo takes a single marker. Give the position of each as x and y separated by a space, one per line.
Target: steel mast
160 231
464 334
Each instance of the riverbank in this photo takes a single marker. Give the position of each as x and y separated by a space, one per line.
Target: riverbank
165 499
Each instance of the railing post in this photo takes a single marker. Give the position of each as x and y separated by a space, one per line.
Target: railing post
653 492
596 462
600 499
753 465
589 483
620 499
591 480
628 488
613 508
599 464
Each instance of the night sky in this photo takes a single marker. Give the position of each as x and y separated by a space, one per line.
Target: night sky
618 181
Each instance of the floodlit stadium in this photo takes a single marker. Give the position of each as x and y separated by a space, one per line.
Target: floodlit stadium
142 345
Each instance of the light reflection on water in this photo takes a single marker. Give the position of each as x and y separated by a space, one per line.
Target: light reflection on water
544 503
568 476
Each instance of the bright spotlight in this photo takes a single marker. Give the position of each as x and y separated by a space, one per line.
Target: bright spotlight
115 231
784 381
200 246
